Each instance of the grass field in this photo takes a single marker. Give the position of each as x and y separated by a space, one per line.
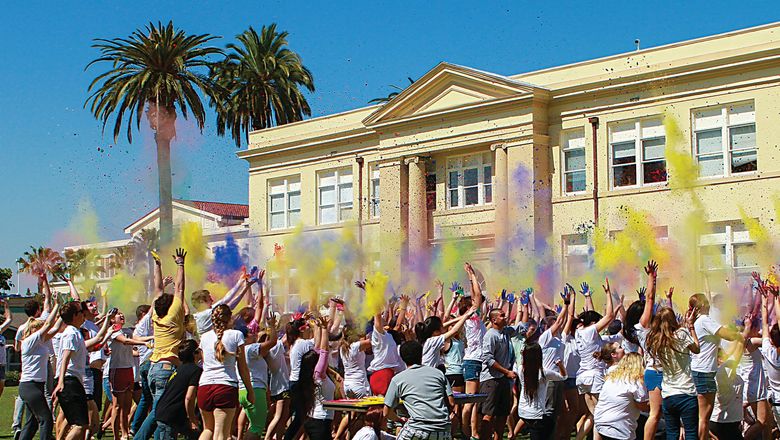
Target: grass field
7 411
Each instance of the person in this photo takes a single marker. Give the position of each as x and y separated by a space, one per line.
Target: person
472 356
750 368
352 350
429 334
35 366
553 348
727 410
386 361
279 390
168 313
175 412
670 347
299 336
571 362
426 394
315 383
497 376
373 420
653 375
770 347
535 378
3 353
224 360
143 328
622 397
204 303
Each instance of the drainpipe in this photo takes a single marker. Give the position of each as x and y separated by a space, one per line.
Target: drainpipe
360 161
594 123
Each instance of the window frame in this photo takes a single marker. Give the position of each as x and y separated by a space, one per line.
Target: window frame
726 126
287 181
374 200
338 203
480 185
730 238
565 137
639 153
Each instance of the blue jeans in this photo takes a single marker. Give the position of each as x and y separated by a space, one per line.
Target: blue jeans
681 407
146 397
159 374
168 432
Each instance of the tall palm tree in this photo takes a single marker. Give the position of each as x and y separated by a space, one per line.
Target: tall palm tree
391 95
82 263
124 257
146 241
157 69
40 261
261 81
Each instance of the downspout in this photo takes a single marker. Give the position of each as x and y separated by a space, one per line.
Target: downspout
594 123
360 161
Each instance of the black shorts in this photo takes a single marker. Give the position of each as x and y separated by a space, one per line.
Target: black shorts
499 397
73 402
456 380
97 378
281 396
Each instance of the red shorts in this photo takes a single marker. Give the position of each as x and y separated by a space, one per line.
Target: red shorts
211 397
121 379
380 380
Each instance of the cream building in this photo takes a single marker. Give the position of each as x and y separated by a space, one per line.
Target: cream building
588 136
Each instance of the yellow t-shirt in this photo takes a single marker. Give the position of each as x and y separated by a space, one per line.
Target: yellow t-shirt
168 331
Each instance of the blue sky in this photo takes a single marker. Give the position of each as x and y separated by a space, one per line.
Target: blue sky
55 157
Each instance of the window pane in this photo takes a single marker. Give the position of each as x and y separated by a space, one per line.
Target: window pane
653 148
454 198
574 160
654 171
487 176
345 193
623 153
711 165
375 188
327 196
430 182
277 220
575 182
709 141
328 215
277 202
328 178
713 257
743 137
453 181
470 177
744 161
470 161
294 200
745 255
488 193
345 176
346 213
624 175
295 217
471 195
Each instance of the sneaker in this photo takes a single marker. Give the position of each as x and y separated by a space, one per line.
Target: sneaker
17 433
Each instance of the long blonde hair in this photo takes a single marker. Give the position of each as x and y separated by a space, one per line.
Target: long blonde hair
32 326
630 369
661 341
220 318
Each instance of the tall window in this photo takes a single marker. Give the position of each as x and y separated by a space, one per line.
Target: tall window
725 139
470 180
283 291
430 185
573 148
577 255
284 202
335 196
637 153
727 253
374 199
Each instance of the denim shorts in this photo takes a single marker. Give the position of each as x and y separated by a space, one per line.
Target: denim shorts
570 383
471 370
704 382
653 379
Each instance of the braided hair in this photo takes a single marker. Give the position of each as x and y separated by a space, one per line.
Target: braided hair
220 318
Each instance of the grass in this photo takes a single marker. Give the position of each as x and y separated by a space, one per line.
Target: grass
7 411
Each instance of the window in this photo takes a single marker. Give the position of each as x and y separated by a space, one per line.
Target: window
283 291
107 267
430 185
728 253
373 207
577 255
335 196
284 202
637 153
725 140
470 180
573 147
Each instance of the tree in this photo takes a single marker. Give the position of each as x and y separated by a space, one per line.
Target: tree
82 263
5 278
391 95
144 243
157 69
124 258
40 261
260 81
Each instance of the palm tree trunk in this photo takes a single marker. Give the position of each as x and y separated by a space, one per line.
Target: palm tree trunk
165 187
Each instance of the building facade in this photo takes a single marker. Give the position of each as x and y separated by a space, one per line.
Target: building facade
474 155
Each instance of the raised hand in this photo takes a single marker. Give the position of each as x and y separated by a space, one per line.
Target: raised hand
690 318
525 298
585 289
651 269
179 257
361 284
669 294
404 298
439 285
166 281
605 286
455 287
641 293
510 297
467 267
155 256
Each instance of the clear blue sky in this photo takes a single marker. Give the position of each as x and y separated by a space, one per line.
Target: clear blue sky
49 143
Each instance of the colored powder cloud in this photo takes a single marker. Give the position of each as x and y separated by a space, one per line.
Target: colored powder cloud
376 286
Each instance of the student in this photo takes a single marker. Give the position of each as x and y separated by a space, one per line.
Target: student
472 356
653 371
426 394
175 411
3 353
143 328
670 347
622 396
727 410
497 376
279 390
386 362
315 383
204 303
224 361
352 350
373 420
429 334
532 403
571 361
750 368
770 350
299 336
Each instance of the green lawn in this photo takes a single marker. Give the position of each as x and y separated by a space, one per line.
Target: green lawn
7 411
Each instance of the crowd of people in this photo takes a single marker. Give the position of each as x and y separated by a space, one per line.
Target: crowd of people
205 368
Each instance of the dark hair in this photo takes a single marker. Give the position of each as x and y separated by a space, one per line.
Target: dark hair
293 330
633 314
374 418
614 327
589 317
411 352
465 303
398 337
532 365
31 308
69 311
187 350
606 352
774 335
162 304
424 330
306 384
574 324
142 310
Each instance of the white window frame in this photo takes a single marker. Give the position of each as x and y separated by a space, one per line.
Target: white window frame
280 291
374 193
726 125
338 203
566 147
730 238
287 183
638 138
481 184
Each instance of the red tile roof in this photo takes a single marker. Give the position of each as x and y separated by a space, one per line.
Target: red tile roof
234 210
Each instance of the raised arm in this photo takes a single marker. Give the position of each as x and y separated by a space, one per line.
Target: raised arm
47 325
570 302
764 317
647 314
476 290
179 257
457 323
158 286
270 343
234 295
46 294
690 319
98 338
555 328
243 371
588 294
609 313
7 315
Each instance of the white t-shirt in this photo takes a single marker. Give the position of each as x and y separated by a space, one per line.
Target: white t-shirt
771 361
368 433
258 369
385 353
144 328
72 340
588 342
706 361
552 351
35 358
121 354
354 360
616 412
203 321
279 370
728 401
325 390
298 349
571 357
533 409
641 335
214 371
432 351
677 376
475 330
93 330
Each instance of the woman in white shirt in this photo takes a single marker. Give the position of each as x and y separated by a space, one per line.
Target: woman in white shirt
222 348
755 389
727 411
622 396
653 371
299 338
352 349
533 394
35 370
315 383
429 334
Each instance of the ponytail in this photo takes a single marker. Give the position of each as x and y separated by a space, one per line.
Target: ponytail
220 318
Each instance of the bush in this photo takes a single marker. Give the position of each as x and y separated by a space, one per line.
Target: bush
12 378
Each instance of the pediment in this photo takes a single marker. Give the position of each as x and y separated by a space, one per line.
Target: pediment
448 87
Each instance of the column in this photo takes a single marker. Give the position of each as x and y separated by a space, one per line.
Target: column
529 190
393 181
500 192
418 211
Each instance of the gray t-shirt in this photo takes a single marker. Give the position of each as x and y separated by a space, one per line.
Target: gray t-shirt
496 348
424 391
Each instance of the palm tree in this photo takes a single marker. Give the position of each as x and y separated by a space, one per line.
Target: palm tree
156 69
83 263
391 95
39 261
261 81
124 257
146 241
